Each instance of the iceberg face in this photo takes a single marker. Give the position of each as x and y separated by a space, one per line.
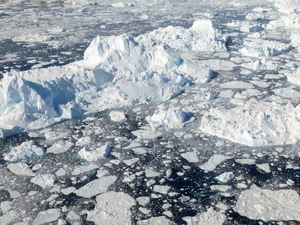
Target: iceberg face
116 71
255 123
202 36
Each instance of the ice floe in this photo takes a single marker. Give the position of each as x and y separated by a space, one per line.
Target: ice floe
255 123
112 208
26 150
213 162
210 217
160 220
294 77
263 204
45 181
47 216
21 169
94 155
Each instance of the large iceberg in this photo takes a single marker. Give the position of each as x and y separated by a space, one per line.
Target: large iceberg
255 123
116 71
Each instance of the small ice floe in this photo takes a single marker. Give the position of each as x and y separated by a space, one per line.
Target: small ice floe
210 217
96 187
287 92
225 177
94 155
45 181
160 220
147 133
162 189
170 118
222 188
9 217
294 77
263 204
236 85
256 123
112 208
263 48
47 216
26 150
21 169
117 116
84 169
60 147
190 156
213 162
151 173
246 161
264 167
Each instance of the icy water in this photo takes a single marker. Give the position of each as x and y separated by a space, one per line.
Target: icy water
165 171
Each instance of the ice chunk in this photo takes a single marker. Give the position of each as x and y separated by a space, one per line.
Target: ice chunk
210 217
26 150
112 208
202 36
47 216
255 123
213 162
117 116
45 181
259 48
160 220
96 187
190 156
224 177
21 169
60 147
294 77
151 173
171 118
262 204
84 169
265 167
9 217
163 189
236 85
94 155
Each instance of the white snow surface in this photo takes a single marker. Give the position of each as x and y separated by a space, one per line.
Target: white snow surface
255 123
201 36
116 71
257 203
112 208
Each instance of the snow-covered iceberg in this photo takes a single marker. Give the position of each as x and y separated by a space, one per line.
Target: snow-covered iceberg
201 36
116 71
255 123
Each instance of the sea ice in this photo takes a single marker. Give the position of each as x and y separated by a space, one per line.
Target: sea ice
294 77
210 217
94 155
112 208
213 162
170 118
96 187
224 177
201 36
255 123
9 217
117 116
60 147
21 169
160 220
26 150
45 181
190 156
262 204
47 216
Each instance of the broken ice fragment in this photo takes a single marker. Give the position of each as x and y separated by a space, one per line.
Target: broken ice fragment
47 216
60 147
210 217
224 177
117 116
45 181
21 169
213 162
160 220
94 155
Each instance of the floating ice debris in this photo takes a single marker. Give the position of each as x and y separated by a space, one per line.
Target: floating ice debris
60 147
264 167
94 155
26 150
151 173
246 161
84 169
294 77
21 169
262 204
112 208
96 187
160 220
287 92
47 216
171 118
45 181
213 162
255 123
163 189
190 156
9 217
259 48
236 85
222 188
117 116
287 6
224 177
146 133
144 200
202 36
116 71
210 217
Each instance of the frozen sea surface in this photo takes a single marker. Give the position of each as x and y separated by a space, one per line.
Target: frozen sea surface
159 112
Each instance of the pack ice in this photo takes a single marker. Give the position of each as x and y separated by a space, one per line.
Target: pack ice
116 71
255 123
